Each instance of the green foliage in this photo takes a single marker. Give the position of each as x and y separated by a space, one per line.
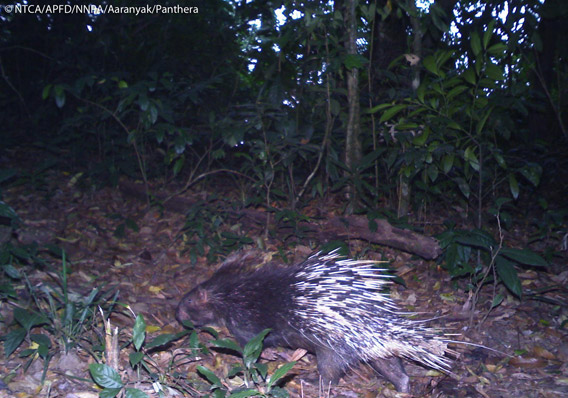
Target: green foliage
111 382
451 134
65 317
256 380
497 262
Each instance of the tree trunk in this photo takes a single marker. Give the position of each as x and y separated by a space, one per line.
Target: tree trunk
352 142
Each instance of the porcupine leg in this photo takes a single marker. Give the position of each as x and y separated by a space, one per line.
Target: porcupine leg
330 366
392 369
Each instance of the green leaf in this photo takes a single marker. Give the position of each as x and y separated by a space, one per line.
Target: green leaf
28 319
13 340
389 113
456 91
280 372
209 375
463 186
513 186
228 344
11 271
109 392
432 173
497 300
475 43
161 340
135 358
253 348
471 158
524 256
532 172
469 76
135 393
105 376
488 33
447 162
138 332
122 84
494 72
483 120
431 65
497 50
379 107
41 339
45 91
354 61
508 274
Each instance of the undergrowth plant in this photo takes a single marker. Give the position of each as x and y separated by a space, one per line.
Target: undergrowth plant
254 378
56 319
476 254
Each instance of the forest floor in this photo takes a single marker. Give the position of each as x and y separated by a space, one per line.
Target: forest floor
117 243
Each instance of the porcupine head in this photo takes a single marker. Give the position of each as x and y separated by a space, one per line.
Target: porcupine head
323 305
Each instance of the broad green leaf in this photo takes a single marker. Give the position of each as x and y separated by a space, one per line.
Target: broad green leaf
134 393
471 158
122 84
497 300
524 256
280 372
253 348
469 76
483 120
389 113
463 186
421 92
139 332
475 43
28 319
11 271
494 72
161 340
209 375
456 91
447 162
532 172
506 270
105 376
109 392
41 339
229 344
497 50
430 64
513 186
354 61
432 173
45 92
377 108
13 340
135 358
488 33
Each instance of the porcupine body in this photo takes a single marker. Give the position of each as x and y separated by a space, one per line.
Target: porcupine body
329 306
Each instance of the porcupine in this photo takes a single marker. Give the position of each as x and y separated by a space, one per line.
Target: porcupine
332 307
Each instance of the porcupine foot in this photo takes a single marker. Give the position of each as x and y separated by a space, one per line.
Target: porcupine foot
332 366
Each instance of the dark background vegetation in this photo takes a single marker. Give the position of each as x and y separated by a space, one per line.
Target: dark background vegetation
453 112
